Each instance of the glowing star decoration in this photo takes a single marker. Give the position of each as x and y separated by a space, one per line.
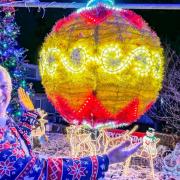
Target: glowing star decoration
102 66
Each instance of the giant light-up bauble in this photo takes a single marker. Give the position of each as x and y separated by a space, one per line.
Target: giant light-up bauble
101 66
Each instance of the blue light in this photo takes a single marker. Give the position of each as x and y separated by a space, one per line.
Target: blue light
93 3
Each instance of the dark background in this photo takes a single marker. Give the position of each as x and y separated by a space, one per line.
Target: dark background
34 27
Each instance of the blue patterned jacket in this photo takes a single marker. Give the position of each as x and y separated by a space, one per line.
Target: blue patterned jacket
15 163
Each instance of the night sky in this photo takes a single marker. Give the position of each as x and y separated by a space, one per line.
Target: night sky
34 27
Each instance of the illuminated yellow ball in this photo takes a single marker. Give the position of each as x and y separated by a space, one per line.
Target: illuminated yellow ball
102 65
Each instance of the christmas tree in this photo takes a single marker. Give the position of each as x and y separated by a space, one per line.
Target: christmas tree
12 57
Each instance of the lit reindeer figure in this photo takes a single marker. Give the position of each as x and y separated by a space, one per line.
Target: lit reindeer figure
83 144
80 141
40 130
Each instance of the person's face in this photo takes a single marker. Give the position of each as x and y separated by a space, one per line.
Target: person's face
5 91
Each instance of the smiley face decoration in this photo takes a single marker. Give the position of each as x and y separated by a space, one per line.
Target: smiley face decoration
102 66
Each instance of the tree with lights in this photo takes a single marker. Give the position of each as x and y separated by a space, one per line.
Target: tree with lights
166 110
11 56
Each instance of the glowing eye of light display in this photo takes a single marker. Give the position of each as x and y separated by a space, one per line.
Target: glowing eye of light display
76 56
142 61
112 58
49 58
76 59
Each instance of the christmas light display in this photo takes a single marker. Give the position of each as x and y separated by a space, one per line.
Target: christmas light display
102 66
39 133
166 164
41 130
11 56
147 154
84 142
